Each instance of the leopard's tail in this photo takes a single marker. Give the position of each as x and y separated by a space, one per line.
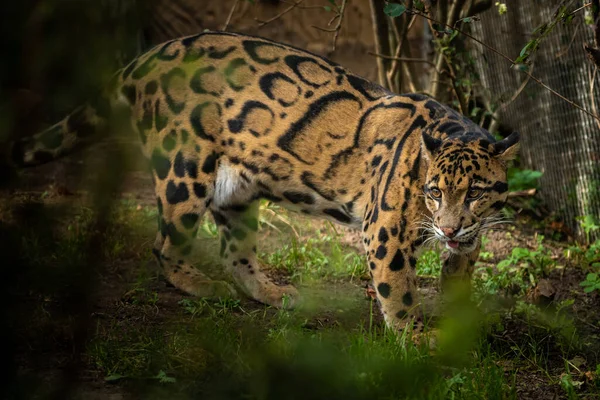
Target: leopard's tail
75 131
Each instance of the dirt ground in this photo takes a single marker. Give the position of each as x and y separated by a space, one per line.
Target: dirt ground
52 323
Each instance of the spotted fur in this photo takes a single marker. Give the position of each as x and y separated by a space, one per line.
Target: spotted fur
227 119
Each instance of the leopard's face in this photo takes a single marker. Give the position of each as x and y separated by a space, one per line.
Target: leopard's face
465 189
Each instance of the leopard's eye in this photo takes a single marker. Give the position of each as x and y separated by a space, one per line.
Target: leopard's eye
435 193
474 194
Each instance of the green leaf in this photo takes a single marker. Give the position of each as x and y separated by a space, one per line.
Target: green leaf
591 277
327 8
475 111
394 9
164 378
114 378
589 289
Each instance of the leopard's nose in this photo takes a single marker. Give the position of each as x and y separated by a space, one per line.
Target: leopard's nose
449 232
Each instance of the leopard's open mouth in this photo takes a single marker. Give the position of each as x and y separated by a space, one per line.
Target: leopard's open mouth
460 246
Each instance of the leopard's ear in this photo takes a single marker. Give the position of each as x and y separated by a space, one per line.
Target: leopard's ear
508 148
429 145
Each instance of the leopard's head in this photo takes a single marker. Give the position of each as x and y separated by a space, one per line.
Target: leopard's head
466 187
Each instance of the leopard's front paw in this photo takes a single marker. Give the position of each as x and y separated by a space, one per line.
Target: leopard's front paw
286 297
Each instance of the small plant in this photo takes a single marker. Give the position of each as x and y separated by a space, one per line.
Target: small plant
429 264
518 271
591 283
193 306
161 377
225 306
522 179
590 225
322 256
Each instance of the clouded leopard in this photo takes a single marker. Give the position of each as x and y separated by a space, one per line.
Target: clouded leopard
228 119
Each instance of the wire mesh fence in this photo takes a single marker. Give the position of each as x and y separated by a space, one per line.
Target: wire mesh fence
557 138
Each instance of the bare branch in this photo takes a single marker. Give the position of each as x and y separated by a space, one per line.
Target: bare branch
565 51
336 31
281 14
400 49
235 3
378 19
302 7
462 101
592 79
517 92
404 59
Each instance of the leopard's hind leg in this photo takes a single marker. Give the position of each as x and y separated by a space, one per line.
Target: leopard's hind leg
238 226
181 207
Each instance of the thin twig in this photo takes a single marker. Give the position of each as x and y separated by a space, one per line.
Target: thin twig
377 17
230 15
565 51
580 8
401 39
516 94
592 84
537 80
398 41
287 10
405 59
462 101
302 7
336 31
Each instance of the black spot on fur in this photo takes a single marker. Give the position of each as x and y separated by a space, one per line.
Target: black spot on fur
151 88
381 252
160 164
129 92
177 193
376 161
384 290
210 163
407 299
397 262
177 238
178 165
199 190
337 214
189 220
298 197
383 235
412 261
219 218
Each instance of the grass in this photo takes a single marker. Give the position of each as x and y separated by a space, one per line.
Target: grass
154 341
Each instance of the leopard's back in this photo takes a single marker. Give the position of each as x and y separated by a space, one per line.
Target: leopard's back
279 116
